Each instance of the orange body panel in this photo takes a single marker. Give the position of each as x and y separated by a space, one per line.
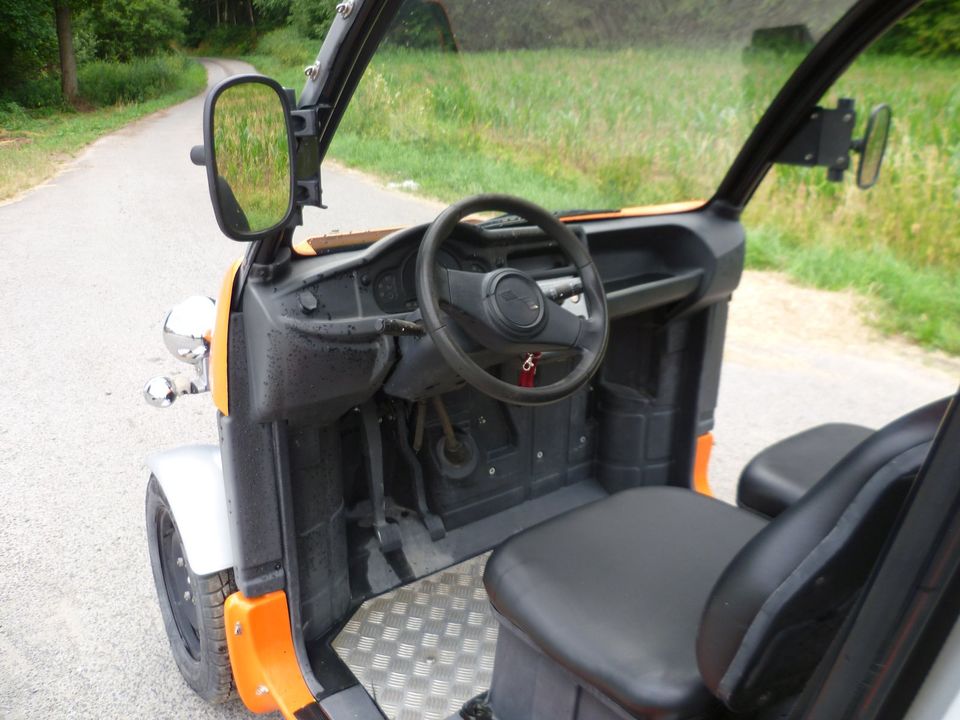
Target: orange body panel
701 462
264 664
218 348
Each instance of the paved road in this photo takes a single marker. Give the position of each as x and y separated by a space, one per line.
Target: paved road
91 262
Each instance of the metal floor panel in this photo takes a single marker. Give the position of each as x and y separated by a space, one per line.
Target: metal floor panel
423 650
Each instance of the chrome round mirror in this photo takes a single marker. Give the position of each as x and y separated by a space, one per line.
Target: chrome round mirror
160 392
874 146
187 328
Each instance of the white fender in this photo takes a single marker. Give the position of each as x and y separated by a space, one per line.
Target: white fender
192 480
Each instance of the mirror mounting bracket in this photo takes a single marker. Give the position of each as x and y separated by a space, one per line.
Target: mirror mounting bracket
304 122
306 128
824 140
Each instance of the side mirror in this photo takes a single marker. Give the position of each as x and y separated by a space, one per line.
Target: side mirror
873 146
249 154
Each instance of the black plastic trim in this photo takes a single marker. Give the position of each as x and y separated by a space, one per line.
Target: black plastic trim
311 712
247 453
352 703
650 295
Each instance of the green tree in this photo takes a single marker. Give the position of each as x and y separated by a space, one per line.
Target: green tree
126 29
28 43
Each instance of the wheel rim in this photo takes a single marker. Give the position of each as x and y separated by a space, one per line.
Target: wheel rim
176 581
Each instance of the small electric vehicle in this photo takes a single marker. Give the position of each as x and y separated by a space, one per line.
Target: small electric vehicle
462 468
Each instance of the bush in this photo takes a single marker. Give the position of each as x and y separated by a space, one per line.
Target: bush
288 47
44 92
103 83
12 114
228 40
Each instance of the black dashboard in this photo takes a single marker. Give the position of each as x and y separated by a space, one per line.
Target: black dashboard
326 329
470 248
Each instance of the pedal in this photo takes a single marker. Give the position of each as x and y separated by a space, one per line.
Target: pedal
388 534
434 525
432 522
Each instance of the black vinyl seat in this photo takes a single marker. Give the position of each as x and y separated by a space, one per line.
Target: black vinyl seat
665 602
614 591
783 473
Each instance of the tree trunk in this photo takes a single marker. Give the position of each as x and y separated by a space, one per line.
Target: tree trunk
217 11
68 59
253 23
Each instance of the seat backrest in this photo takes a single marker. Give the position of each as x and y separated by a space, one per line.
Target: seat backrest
778 604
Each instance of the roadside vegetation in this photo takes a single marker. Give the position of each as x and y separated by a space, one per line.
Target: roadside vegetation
898 243
73 71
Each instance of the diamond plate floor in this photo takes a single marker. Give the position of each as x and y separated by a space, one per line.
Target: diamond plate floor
424 649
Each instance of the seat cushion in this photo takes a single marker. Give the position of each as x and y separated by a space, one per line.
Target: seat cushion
614 592
780 475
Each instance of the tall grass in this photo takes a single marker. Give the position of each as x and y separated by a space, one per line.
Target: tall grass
581 128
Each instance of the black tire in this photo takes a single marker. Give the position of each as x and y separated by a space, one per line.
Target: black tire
195 625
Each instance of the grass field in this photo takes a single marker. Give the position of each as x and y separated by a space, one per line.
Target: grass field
605 129
34 142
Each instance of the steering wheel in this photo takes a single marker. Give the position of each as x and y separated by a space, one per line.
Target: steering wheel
505 310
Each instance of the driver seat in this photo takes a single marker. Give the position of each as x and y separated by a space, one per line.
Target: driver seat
662 604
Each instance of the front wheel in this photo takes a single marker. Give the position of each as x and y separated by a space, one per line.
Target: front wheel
191 605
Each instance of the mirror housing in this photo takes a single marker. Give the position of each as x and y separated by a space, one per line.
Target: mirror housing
873 146
252 184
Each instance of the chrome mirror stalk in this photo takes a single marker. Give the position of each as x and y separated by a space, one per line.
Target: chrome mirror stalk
162 391
186 333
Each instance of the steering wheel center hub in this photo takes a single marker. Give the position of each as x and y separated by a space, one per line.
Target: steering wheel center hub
516 302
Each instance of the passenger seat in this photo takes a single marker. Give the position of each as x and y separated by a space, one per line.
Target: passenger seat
783 473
